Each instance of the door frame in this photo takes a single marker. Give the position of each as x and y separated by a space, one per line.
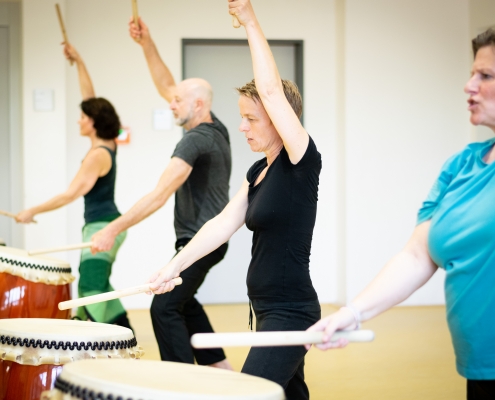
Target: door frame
10 17
298 54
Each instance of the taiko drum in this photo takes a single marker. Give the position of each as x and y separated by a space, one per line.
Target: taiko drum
33 351
32 287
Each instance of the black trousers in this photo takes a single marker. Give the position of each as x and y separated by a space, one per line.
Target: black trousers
283 365
480 390
177 315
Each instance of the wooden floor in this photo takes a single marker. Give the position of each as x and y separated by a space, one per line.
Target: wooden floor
411 358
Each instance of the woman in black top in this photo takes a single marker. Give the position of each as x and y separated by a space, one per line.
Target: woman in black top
277 202
95 181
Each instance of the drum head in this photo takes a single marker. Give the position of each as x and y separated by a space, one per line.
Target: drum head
35 341
153 380
42 269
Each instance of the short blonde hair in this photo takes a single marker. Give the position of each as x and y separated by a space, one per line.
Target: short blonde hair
291 92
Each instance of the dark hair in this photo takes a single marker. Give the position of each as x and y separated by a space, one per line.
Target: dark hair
484 39
291 92
105 119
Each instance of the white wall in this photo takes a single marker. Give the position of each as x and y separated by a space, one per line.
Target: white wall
44 138
405 67
481 16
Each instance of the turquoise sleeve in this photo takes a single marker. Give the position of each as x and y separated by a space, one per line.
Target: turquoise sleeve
448 172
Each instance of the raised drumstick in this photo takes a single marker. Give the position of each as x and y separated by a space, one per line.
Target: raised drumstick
265 339
62 26
8 214
76 246
116 294
135 15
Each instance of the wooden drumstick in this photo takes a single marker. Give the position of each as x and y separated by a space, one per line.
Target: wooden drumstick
69 247
8 214
282 338
62 27
135 15
116 294
235 22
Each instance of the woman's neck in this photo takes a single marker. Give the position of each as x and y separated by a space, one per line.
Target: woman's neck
273 153
97 142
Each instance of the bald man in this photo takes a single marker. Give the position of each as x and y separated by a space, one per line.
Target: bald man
198 173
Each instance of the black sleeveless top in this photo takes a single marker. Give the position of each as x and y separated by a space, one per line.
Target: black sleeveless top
99 204
282 213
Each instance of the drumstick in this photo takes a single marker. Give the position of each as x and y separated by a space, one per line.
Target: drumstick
62 27
76 246
135 15
264 339
235 22
8 214
116 294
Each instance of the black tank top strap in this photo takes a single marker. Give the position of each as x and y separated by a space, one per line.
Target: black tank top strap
112 152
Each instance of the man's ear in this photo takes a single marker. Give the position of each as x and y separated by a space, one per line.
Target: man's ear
198 104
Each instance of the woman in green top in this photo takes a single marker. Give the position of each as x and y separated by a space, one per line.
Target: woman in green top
95 181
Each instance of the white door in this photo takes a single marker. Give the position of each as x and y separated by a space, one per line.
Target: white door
5 229
227 66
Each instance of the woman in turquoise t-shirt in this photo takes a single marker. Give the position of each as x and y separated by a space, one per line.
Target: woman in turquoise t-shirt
455 231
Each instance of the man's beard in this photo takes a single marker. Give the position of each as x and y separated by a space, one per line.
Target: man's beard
184 120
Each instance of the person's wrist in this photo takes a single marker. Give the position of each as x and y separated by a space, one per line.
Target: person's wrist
146 43
176 265
356 314
252 23
112 230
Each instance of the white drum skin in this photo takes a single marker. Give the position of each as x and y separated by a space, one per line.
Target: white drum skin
157 380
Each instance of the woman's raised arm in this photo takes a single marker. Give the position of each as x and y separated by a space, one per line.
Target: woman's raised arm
269 83
85 84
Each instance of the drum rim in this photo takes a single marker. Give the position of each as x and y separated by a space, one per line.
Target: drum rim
21 343
46 270
21 264
76 383
37 328
68 345
20 258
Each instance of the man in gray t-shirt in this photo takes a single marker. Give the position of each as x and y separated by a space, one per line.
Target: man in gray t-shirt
205 193
198 173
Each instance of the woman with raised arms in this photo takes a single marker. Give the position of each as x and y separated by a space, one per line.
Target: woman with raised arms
277 201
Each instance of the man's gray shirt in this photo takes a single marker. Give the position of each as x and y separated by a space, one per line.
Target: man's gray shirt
206 148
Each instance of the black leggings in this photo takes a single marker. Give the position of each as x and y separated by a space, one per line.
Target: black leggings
480 390
283 365
177 315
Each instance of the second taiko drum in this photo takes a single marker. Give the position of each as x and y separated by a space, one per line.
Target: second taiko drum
32 287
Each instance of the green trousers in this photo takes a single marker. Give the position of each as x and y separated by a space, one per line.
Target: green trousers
94 278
